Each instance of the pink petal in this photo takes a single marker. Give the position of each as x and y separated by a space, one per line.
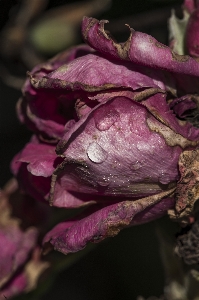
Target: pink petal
115 152
104 223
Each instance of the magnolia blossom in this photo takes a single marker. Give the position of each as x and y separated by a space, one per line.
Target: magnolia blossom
110 130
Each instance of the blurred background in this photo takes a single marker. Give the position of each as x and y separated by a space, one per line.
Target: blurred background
31 32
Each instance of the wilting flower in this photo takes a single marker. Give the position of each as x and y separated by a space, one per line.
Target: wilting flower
20 262
116 114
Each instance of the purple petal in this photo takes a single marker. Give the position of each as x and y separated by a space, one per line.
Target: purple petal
183 105
16 249
190 5
57 230
67 199
137 48
84 74
104 223
192 34
154 212
118 150
47 111
62 58
40 159
160 109
33 167
14 287
179 68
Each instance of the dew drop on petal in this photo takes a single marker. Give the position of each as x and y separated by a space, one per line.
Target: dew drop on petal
96 153
106 118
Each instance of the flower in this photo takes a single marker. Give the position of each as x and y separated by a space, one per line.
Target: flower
20 262
117 116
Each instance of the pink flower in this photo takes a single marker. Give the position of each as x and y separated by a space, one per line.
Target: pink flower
112 112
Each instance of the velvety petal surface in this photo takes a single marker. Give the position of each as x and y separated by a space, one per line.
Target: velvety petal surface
84 74
47 111
33 167
41 159
159 108
62 58
140 45
57 230
137 48
104 223
118 150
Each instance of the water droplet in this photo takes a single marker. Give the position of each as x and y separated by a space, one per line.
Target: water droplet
96 153
164 178
105 118
136 165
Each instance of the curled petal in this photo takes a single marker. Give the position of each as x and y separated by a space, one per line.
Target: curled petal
84 74
57 230
104 223
43 111
182 68
159 108
187 191
41 159
114 148
137 48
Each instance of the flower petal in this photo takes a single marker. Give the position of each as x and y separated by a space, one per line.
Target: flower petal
104 223
140 45
41 159
114 151
46 111
137 48
84 74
